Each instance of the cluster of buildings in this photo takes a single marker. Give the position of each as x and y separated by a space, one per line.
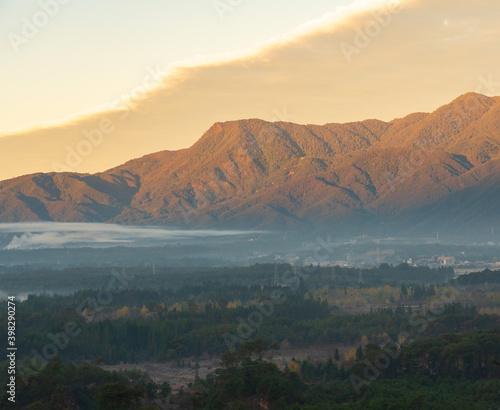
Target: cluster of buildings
433 262
460 267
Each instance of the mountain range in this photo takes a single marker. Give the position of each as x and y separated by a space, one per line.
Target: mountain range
419 174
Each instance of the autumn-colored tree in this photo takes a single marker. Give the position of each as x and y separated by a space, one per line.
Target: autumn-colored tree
350 356
293 366
123 312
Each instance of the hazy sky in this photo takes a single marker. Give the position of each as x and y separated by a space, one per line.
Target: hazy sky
374 59
93 51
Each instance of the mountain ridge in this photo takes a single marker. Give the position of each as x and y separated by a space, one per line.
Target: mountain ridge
280 175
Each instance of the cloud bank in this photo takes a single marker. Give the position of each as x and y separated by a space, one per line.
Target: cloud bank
375 59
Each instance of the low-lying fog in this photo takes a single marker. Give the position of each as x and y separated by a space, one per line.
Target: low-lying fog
42 235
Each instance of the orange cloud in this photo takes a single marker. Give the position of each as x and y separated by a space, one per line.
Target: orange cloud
372 60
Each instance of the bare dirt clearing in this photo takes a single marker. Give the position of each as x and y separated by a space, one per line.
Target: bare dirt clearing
179 377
